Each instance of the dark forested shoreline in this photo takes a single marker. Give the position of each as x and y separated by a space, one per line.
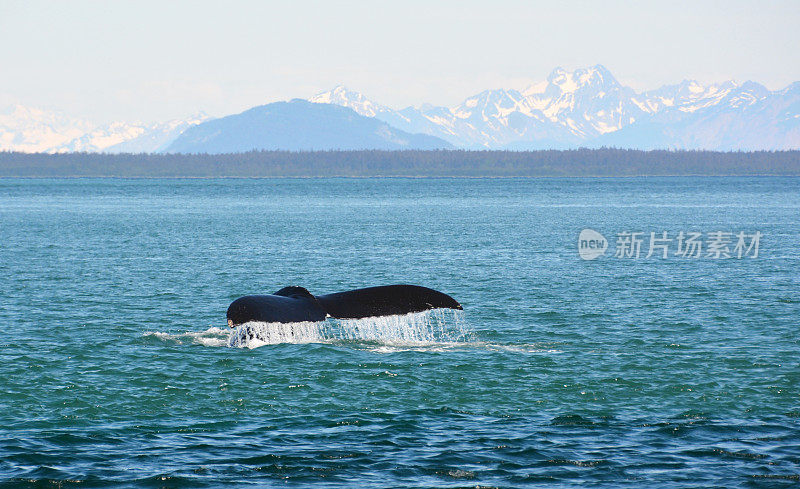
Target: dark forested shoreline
440 163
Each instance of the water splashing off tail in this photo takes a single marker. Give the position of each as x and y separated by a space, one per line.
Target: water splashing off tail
413 329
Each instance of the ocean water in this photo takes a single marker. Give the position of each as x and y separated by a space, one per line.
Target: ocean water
117 368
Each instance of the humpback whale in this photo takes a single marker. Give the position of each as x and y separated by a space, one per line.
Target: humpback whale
296 304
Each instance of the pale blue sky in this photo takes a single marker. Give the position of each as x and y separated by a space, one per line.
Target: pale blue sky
155 60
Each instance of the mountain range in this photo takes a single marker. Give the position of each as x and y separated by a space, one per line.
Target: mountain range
586 107
32 130
298 125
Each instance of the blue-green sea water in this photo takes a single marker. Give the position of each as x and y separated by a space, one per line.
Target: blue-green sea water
116 370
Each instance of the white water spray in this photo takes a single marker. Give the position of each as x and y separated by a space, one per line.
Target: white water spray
420 328
436 330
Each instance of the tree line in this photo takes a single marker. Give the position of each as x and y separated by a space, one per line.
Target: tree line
412 163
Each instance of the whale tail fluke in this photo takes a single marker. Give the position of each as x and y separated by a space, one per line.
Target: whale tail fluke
296 304
387 300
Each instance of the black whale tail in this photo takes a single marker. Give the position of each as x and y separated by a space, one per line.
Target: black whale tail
296 304
387 300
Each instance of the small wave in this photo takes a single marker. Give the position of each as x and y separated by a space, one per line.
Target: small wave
518 348
441 346
213 336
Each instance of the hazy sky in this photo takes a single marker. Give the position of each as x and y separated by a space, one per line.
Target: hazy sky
155 60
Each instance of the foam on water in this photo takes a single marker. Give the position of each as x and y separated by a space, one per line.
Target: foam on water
436 327
433 331
213 336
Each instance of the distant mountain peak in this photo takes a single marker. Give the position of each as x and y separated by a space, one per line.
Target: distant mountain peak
336 94
594 76
794 87
585 106
562 79
536 88
31 129
343 96
298 125
576 107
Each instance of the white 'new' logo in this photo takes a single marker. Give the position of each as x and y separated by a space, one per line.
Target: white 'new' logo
591 244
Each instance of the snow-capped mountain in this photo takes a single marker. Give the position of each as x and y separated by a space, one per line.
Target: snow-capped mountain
585 107
588 102
570 107
33 130
589 107
340 95
157 137
725 117
100 138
